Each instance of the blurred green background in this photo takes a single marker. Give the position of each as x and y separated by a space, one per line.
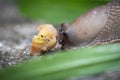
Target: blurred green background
56 11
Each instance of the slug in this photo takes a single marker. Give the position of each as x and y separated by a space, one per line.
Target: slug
45 40
98 26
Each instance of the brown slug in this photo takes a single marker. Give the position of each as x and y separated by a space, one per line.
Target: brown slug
98 26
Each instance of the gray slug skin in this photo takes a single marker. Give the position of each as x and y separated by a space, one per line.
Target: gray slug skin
97 26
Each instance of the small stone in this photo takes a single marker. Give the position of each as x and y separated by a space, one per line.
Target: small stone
11 63
1 44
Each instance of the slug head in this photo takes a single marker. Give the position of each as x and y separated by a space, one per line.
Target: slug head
64 36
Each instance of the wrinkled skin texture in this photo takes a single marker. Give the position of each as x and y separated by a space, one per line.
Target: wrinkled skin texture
98 26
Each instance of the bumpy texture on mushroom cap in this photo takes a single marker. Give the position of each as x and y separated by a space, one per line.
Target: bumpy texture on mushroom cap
45 40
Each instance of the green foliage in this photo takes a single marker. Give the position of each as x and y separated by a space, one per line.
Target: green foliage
56 11
65 64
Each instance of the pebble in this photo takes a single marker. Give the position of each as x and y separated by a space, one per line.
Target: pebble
1 44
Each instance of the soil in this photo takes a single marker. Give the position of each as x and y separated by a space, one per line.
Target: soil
16 33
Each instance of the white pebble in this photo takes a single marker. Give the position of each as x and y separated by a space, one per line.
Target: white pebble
1 44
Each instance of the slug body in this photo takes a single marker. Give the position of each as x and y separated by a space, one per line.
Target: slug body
97 26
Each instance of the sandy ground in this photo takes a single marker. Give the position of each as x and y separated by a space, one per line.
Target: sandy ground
16 34
15 42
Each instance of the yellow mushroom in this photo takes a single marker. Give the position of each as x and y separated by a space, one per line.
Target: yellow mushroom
45 40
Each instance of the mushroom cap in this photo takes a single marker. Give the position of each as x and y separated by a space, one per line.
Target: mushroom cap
45 40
